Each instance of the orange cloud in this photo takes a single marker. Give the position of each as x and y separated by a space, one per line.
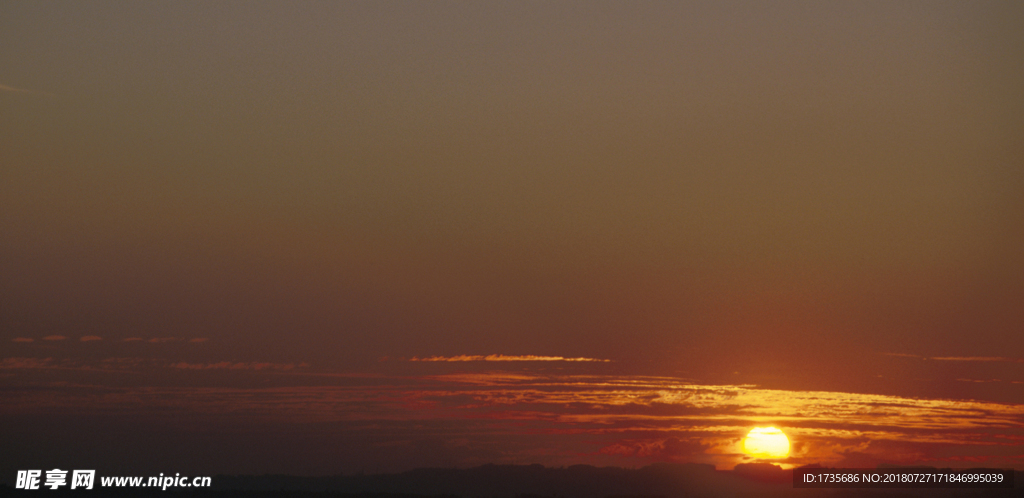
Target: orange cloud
156 340
88 338
54 338
134 339
199 339
501 357
23 339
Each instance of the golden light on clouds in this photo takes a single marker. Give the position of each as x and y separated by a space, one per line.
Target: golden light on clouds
766 442
502 357
613 419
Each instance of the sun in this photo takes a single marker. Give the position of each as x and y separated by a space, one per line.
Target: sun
766 442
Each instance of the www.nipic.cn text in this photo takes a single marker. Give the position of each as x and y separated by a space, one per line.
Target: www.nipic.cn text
86 479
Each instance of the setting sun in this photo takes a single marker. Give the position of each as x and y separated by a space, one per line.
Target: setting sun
766 442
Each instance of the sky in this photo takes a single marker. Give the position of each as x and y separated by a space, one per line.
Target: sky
376 236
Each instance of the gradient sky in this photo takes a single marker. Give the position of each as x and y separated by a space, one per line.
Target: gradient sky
230 209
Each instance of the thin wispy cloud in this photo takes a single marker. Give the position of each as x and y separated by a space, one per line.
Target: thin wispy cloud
901 355
228 365
22 363
158 340
501 357
978 358
6 88
139 364
958 358
93 338
53 364
128 363
11 89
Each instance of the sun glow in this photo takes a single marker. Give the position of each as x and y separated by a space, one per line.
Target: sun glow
766 442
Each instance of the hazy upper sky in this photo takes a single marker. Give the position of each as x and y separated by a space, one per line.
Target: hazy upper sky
793 195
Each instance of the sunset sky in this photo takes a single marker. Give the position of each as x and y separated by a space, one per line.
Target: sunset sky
326 237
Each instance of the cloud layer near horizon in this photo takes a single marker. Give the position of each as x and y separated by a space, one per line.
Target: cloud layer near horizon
601 419
501 357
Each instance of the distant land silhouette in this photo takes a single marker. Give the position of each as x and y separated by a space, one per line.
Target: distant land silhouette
535 481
